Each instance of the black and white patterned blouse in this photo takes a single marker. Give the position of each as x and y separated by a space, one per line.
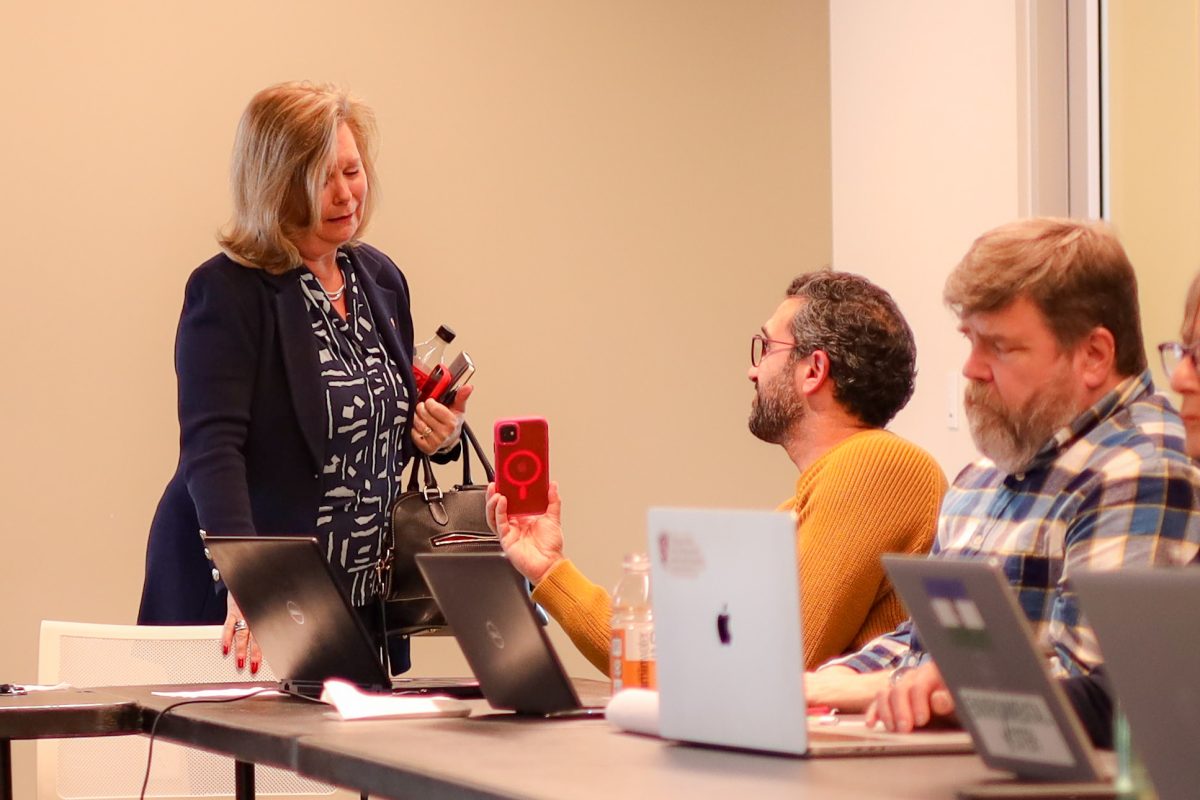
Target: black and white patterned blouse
366 406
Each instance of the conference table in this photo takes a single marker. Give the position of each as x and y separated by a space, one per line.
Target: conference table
493 754
57 714
521 758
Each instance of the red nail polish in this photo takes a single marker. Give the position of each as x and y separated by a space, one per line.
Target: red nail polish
241 662
253 667
224 649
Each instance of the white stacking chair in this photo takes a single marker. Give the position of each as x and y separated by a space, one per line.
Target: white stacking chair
112 768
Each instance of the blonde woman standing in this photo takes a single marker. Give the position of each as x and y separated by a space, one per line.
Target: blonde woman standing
297 407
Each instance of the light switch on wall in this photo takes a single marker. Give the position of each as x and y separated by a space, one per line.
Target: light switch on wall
953 399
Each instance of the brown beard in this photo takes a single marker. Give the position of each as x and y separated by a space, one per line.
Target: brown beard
776 408
1012 438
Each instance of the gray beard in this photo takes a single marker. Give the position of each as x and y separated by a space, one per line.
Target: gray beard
1012 439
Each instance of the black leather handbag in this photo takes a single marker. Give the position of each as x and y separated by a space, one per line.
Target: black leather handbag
429 519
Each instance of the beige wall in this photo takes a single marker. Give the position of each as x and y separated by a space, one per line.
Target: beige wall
1154 51
930 104
605 199
926 156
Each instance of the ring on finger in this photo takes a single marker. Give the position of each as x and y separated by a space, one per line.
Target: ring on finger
239 625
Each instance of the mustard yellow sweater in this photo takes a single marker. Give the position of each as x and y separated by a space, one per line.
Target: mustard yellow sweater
870 494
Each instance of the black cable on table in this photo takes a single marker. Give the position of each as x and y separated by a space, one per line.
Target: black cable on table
181 704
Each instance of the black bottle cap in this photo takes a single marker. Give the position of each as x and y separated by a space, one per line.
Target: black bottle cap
446 333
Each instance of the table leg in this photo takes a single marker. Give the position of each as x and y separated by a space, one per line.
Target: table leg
6 769
243 780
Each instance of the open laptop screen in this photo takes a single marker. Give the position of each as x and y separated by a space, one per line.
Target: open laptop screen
968 619
295 608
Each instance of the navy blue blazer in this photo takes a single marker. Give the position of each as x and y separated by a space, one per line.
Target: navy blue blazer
251 421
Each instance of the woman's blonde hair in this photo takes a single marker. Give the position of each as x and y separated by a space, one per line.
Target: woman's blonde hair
285 148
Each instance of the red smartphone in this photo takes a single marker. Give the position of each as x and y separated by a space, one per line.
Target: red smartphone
522 450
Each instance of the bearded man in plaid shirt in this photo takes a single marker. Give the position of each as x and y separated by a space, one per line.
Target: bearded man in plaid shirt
1085 465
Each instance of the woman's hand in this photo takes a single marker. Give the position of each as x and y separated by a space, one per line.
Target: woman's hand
237 636
435 426
533 544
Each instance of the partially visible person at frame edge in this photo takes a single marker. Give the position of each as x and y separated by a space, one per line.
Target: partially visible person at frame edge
294 364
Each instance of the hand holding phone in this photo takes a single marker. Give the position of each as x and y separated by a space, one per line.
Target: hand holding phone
522 454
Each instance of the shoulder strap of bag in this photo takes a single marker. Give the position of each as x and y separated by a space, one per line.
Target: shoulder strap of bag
483 459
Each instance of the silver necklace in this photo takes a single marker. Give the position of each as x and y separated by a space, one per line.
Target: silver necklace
333 297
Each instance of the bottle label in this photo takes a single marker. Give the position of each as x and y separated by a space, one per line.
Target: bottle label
419 376
632 658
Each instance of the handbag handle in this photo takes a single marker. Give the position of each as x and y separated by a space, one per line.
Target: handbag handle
423 465
483 459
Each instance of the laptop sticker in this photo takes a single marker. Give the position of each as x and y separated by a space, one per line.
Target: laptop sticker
957 613
679 554
1016 725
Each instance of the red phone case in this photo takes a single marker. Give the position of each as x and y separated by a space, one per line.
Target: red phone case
523 465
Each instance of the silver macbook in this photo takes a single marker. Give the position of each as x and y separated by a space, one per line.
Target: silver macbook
1148 624
486 603
729 645
303 622
968 620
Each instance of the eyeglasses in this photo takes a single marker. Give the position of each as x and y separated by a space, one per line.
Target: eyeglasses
1173 354
760 348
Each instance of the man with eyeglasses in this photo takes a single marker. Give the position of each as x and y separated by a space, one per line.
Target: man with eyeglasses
1085 465
831 367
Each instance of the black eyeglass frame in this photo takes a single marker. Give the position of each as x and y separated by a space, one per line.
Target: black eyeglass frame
759 349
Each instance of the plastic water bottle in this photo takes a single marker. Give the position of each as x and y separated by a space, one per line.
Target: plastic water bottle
631 659
429 353
1131 782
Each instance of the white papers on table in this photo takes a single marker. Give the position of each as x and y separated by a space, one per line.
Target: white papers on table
353 703
30 687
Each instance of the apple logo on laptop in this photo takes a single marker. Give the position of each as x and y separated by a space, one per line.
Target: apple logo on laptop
723 632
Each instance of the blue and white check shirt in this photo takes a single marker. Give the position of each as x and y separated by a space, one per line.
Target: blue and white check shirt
1113 489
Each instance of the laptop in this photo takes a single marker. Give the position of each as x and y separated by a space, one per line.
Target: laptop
1153 660
729 646
486 603
968 620
304 624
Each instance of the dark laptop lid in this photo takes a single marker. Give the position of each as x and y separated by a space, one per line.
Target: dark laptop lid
968 619
486 605
305 625
1148 625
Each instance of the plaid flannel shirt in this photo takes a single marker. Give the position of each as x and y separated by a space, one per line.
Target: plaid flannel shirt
1113 489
